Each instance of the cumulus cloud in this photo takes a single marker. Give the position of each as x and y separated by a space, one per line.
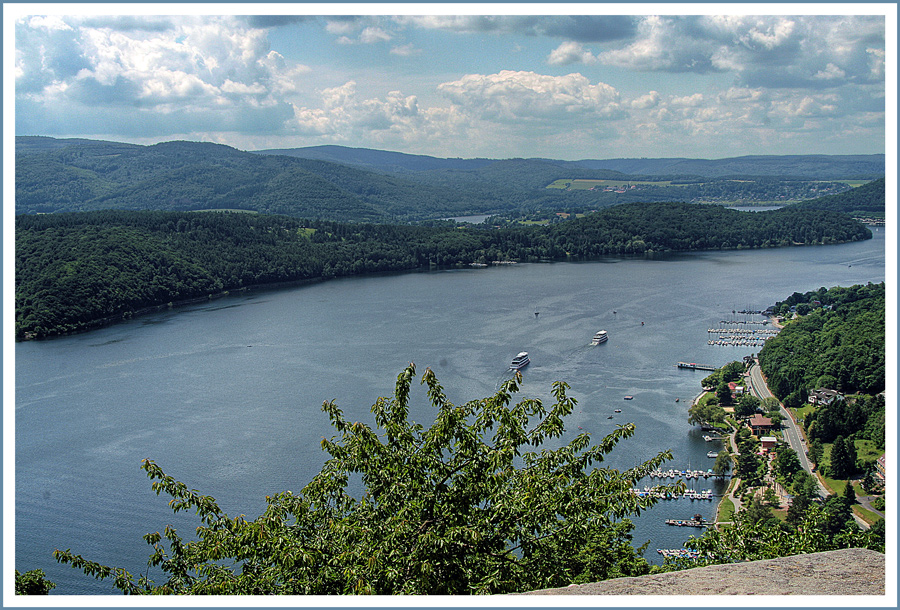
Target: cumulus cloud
345 114
358 30
661 44
186 71
513 96
406 50
650 100
571 53
210 74
771 51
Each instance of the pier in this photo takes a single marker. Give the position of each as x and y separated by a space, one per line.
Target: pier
696 367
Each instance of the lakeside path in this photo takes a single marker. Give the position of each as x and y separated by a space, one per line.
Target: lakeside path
792 431
733 484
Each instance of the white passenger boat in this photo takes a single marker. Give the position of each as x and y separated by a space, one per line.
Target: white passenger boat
600 337
520 361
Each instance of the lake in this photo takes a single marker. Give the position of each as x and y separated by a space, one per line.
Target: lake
226 396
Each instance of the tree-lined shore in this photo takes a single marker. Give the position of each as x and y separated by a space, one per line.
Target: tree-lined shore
75 270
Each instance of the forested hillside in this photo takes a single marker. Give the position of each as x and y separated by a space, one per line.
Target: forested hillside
818 167
837 342
867 200
55 176
75 269
808 167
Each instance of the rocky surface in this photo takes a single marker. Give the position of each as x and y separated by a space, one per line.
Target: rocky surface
844 572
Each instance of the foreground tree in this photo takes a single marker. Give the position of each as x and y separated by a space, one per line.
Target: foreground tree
33 582
466 506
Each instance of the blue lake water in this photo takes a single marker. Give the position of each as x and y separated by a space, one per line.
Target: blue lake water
226 396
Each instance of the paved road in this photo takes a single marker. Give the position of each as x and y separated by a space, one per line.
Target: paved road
790 427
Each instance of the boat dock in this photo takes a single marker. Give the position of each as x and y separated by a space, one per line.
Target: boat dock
696 367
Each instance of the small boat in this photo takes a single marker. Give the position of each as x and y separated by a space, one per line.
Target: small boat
618 410
712 454
677 399
519 362
610 417
629 397
600 337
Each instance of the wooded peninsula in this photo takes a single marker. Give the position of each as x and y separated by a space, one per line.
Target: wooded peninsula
77 270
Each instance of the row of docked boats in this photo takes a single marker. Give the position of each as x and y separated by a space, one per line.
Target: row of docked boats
738 341
679 553
522 359
687 474
743 331
655 492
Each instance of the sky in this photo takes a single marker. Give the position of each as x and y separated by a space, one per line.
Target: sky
579 81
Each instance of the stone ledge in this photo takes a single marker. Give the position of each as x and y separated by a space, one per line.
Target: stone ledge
843 572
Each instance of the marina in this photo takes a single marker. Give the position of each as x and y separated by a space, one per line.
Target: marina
741 337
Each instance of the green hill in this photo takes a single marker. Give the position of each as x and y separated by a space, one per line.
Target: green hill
867 200
55 176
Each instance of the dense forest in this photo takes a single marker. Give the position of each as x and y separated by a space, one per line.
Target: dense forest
867 200
837 342
55 176
74 270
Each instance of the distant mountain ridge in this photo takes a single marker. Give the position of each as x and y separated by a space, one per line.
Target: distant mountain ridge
824 167
360 185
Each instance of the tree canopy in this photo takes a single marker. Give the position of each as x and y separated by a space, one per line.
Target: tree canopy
466 506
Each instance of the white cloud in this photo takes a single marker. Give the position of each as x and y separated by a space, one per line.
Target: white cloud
571 53
228 77
650 100
688 100
661 45
830 72
345 114
371 35
48 22
515 96
406 50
